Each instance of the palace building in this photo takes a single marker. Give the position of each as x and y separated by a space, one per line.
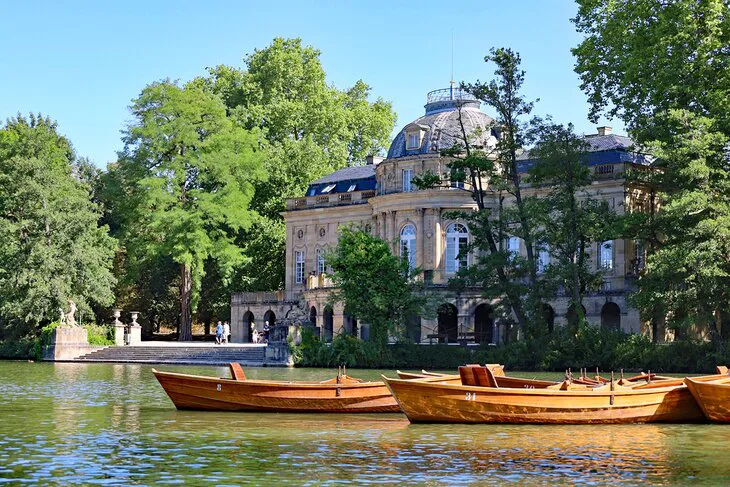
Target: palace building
381 197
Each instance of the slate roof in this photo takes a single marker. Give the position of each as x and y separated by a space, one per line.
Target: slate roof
443 129
361 177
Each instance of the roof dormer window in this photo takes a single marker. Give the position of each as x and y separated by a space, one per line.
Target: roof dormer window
413 140
328 188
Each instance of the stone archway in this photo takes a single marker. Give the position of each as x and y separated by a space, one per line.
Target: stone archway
350 323
313 316
448 323
572 315
270 318
248 324
328 323
611 317
484 324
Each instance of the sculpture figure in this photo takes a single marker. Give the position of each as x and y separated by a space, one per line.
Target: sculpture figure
62 317
70 320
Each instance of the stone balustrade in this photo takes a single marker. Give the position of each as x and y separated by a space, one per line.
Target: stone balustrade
334 199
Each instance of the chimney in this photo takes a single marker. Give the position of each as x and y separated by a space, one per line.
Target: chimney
605 130
373 160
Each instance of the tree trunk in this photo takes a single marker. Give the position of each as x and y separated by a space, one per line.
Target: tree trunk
186 319
207 326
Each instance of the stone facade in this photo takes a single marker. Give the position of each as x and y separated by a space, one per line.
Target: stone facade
381 198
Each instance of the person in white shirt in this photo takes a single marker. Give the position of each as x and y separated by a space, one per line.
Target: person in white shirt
226 332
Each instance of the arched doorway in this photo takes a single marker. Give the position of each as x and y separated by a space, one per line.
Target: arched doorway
548 314
484 324
350 323
313 316
248 324
328 323
572 316
448 323
270 320
413 328
611 317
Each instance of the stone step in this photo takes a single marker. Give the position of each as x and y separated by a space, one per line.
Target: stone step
178 355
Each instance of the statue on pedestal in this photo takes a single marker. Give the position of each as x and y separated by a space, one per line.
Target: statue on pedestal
69 319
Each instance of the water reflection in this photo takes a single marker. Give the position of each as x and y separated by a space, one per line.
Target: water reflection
72 424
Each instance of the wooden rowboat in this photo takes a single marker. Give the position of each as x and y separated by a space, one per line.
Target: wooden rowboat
342 394
712 394
483 400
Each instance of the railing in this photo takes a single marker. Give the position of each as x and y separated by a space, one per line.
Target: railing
266 297
447 94
334 199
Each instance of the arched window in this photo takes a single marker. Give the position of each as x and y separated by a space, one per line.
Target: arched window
457 239
408 244
606 255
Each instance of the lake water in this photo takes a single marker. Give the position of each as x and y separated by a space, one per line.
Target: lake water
82 424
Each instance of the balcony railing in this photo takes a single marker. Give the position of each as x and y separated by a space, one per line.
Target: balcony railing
447 94
262 297
334 199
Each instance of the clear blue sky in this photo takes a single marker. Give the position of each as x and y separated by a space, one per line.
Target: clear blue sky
83 62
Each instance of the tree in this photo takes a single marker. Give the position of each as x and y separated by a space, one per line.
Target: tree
188 172
570 217
52 247
374 285
311 130
495 171
664 68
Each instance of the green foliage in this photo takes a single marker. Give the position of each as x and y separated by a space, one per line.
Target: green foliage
570 217
664 68
188 172
52 247
311 129
375 286
589 348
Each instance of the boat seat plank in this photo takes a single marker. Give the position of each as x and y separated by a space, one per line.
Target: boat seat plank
237 371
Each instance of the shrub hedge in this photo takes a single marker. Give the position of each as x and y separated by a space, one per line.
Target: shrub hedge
591 347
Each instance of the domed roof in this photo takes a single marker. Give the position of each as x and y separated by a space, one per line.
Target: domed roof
439 128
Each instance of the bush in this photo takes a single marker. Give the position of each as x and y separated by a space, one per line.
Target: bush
20 349
590 347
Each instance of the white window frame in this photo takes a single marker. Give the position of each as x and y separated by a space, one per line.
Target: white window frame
320 261
413 141
299 266
328 188
408 244
513 245
457 235
543 259
407 175
639 259
605 255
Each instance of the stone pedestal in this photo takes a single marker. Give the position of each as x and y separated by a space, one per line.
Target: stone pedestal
67 343
278 354
135 335
119 335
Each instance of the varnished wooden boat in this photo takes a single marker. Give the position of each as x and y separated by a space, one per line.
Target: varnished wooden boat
712 394
483 400
342 394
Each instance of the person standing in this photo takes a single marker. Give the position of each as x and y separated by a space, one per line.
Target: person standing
226 332
266 332
218 333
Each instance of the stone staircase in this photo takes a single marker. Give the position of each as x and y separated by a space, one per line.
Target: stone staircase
213 355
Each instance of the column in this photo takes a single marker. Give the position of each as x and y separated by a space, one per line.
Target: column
421 260
394 230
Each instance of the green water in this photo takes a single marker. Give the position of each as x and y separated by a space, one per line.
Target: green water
82 424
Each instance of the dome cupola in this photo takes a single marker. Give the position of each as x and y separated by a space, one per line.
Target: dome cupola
440 127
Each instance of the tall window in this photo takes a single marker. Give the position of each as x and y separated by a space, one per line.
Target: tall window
638 255
407 174
299 266
457 239
513 245
408 244
413 142
543 260
320 261
605 255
